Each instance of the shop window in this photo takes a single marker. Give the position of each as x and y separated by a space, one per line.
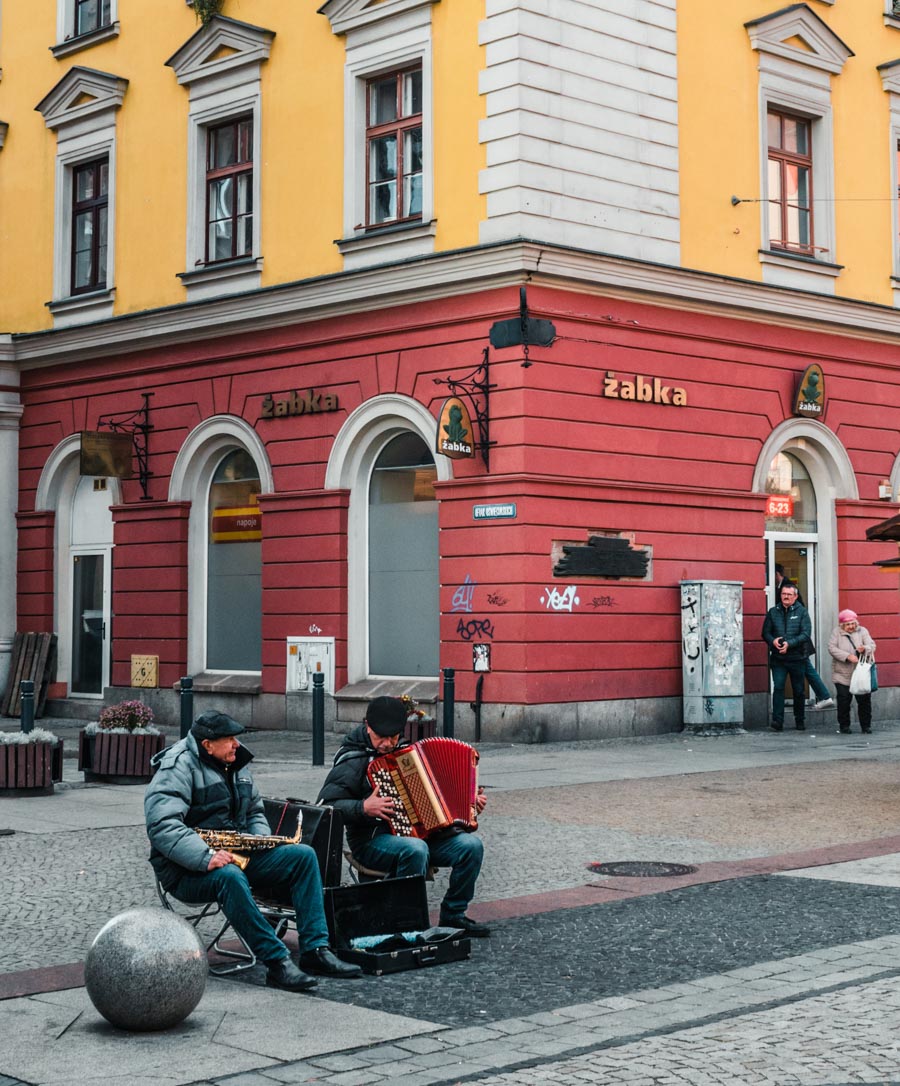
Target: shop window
790 183
791 505
403 561
394 147
90 211
229 190
234 567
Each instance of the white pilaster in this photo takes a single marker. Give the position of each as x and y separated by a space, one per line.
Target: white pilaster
10 413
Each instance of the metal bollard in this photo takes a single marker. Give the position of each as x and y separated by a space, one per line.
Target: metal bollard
449 700
318 718
476 707
187 704
26 702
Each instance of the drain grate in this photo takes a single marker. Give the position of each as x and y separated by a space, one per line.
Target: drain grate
641 869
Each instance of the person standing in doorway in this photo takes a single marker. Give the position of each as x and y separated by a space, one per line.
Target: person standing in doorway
824 700
786 630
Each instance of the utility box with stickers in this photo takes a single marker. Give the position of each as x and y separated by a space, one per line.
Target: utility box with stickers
712 646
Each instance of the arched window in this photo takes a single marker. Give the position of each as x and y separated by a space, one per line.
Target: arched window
234 566
793 508
403 560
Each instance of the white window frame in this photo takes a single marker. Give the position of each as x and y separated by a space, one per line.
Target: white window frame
85 130
67 43
798 81
380 39
890 19
220 65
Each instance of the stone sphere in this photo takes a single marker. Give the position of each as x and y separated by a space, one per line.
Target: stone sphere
146 970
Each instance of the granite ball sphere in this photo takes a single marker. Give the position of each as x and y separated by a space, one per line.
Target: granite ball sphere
146 970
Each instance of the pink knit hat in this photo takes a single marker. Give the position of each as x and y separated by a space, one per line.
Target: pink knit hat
848 616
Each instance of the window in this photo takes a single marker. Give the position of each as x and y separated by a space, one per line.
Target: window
81 24
388 210
91 15
229 190
394 147
90 208
82 109
790 183
799 58
221 67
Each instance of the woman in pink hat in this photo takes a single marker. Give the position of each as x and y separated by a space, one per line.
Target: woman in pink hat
848 642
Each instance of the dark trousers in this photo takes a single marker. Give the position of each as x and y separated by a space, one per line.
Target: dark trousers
293 868
781 669
863 708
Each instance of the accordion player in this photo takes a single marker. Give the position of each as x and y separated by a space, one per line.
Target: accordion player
434 784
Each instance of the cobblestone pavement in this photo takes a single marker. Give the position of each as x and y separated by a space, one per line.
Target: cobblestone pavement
776 976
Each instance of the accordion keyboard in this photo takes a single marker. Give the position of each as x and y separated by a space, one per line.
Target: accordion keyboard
401 824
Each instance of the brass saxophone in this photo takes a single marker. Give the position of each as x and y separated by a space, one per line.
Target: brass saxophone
231 840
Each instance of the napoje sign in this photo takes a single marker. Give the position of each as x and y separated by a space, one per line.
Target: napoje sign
643 389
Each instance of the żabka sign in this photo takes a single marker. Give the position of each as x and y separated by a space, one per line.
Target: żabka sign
810 399
309 402
643 390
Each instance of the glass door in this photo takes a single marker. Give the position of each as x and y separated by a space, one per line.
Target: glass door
90 623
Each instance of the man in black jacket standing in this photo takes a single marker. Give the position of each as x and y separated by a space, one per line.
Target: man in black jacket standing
347 789
788 632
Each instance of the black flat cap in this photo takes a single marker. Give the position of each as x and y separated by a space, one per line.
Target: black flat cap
386 716
215 725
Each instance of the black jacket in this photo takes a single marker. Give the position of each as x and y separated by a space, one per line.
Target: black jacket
347 786
794 625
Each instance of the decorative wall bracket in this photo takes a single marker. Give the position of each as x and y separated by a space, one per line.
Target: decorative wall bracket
476 387
138 425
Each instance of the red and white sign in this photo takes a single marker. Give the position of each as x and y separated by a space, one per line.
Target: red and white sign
779 505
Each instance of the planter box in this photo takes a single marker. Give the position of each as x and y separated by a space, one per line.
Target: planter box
26 769
118 758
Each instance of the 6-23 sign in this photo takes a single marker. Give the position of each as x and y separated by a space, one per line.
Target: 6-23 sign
780 505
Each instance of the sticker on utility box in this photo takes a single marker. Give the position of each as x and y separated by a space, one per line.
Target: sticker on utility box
501 511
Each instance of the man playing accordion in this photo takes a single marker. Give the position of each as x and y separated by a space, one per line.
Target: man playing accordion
366 814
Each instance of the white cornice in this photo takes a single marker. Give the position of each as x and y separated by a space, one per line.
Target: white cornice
220 46
82 92
346 15
775 33
451 274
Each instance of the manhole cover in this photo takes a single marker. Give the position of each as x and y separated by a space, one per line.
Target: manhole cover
641 869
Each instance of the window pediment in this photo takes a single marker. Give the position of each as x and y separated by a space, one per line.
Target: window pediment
347 15
221 46
796 33
890 76
82 92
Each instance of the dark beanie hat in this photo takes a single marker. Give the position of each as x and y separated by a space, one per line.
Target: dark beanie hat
386 716
215 725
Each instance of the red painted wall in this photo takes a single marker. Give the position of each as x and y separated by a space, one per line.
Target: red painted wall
677 478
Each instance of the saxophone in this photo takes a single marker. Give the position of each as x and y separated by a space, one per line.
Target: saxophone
231 840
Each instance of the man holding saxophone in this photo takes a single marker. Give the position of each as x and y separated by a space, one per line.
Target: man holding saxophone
203 782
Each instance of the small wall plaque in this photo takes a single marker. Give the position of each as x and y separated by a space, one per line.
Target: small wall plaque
145 671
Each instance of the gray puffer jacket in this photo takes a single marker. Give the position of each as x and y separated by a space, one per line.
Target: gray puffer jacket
189 790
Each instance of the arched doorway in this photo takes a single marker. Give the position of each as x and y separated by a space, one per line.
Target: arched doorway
802 469
403 561
82 566
367 434
221 469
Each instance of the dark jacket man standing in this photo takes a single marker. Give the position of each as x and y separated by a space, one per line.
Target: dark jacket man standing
788 632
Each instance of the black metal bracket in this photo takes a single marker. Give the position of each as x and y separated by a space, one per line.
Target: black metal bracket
138 425
473 385
523 329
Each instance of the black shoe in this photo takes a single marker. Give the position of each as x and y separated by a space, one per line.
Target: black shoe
800 727
284 974
844 731
466 924
866 731
323 962
777 727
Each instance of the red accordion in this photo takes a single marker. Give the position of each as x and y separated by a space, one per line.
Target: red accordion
433 784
